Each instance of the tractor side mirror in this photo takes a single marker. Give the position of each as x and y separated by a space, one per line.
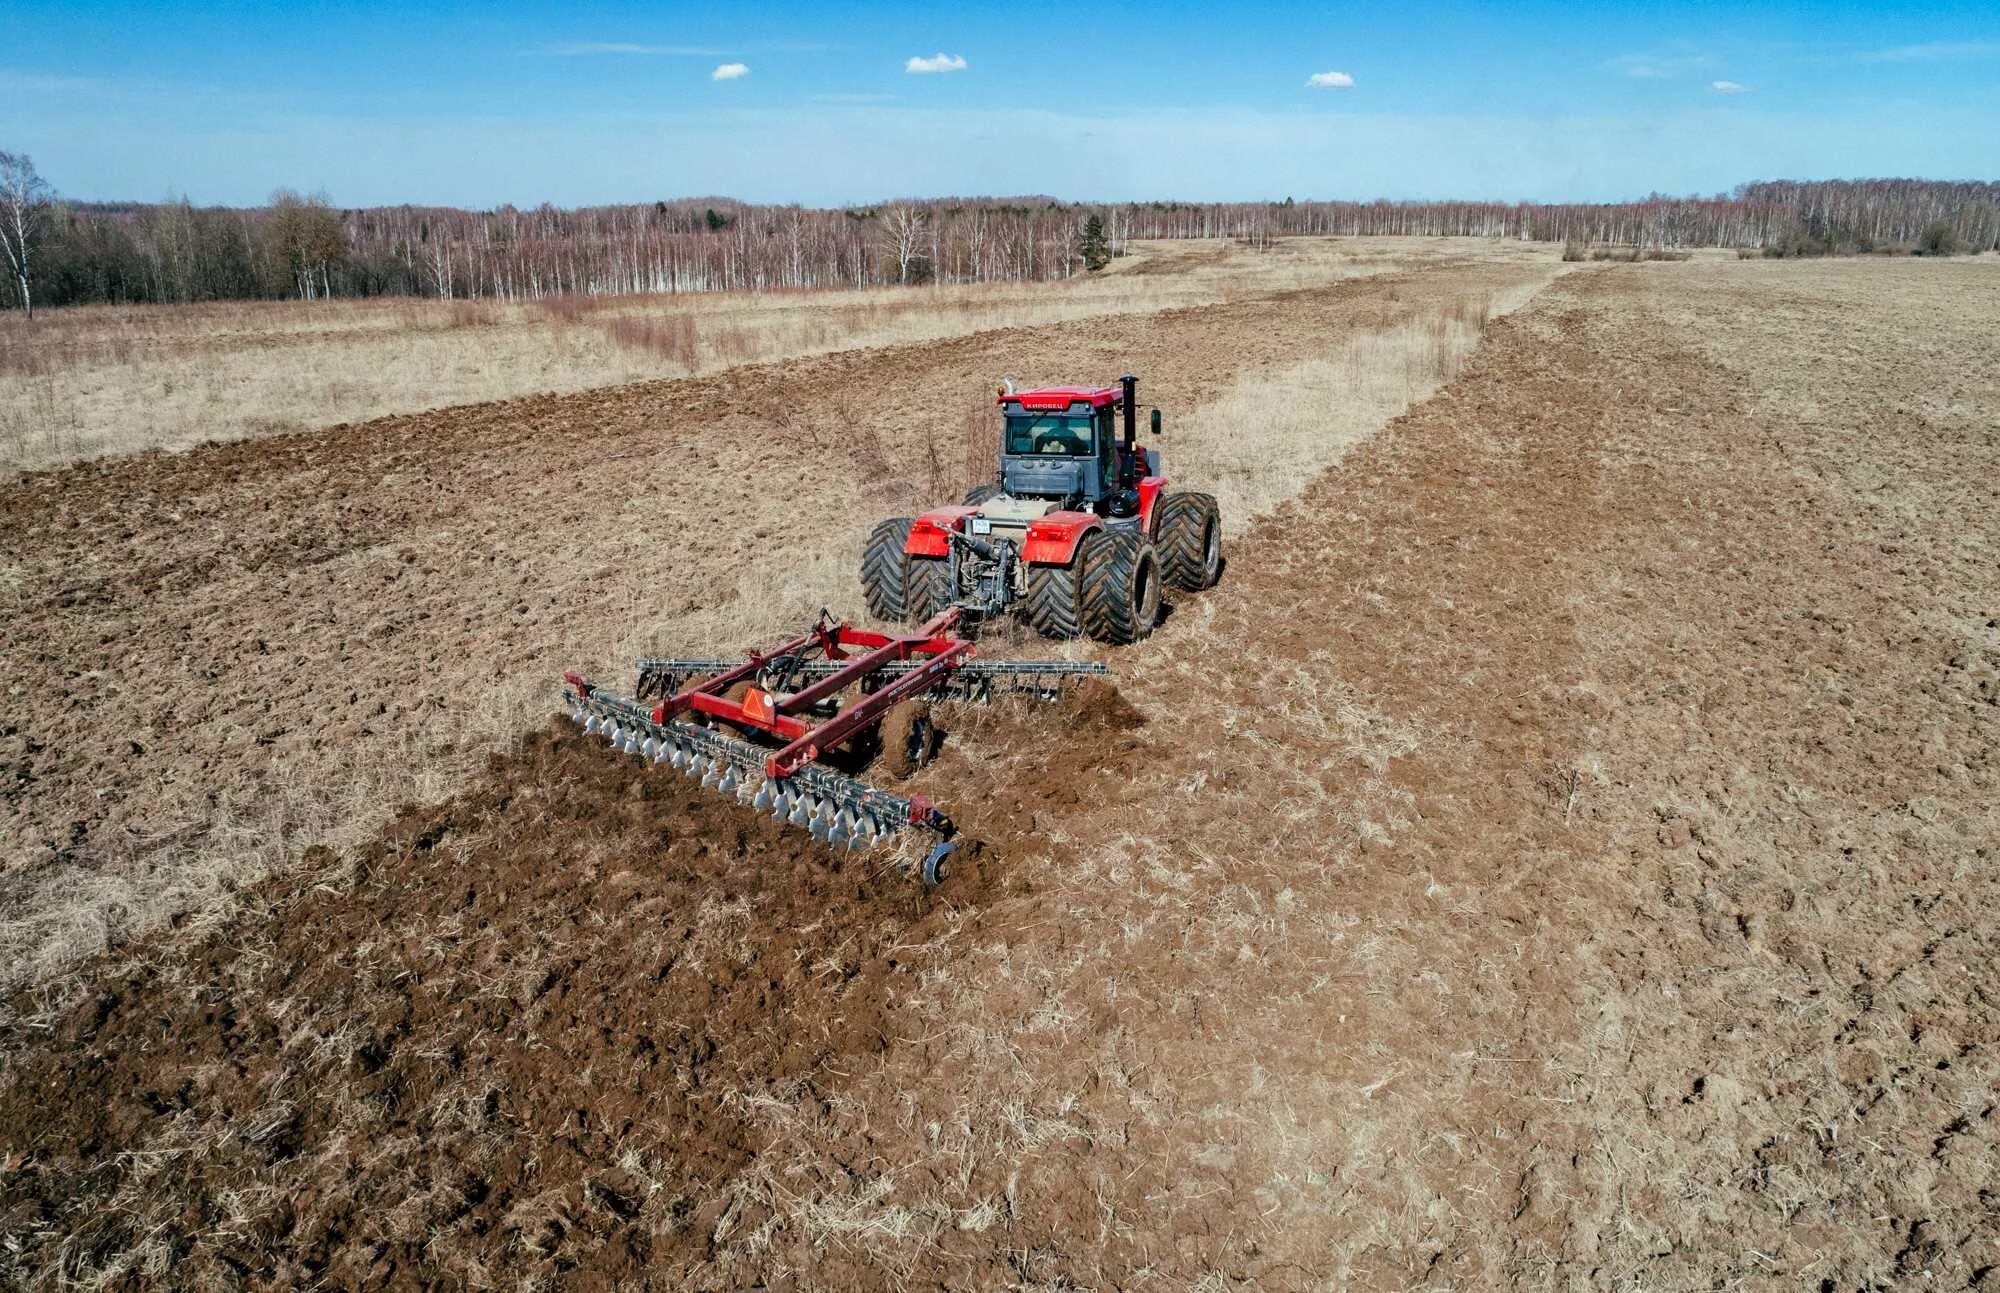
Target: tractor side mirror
1156 422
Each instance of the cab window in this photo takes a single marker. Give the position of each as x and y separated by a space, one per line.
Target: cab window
1050 433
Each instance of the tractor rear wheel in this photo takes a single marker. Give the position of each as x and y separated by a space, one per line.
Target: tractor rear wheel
1119 575
979 495
1188 531
882 575
1052 607
929 584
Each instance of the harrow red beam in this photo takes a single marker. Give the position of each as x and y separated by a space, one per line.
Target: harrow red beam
778 714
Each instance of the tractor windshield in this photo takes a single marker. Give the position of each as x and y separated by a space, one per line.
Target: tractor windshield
1050 433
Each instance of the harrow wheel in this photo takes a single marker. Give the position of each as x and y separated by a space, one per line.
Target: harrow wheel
934 862
1119 574
882 570
910 737
979 495
928 580
1188 531
1053 610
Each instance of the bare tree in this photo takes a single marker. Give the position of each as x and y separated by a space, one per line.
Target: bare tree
795 240
905 227
976 237
438 262
24 202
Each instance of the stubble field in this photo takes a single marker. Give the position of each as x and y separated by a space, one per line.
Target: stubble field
1559 854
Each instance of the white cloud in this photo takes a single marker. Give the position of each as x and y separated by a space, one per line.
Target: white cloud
936 63
729 72
1728 87
1330 81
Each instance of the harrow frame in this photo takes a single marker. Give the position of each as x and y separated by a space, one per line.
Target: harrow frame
931 648
699 701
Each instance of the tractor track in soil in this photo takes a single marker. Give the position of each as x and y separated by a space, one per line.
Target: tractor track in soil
1560 852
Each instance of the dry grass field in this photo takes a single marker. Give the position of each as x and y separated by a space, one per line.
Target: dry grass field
86 382
1559 854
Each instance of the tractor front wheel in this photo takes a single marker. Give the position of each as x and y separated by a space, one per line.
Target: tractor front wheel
980 495
1188 531
883 580
1119 576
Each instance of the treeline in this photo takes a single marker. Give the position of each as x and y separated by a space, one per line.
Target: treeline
301 246
1862 213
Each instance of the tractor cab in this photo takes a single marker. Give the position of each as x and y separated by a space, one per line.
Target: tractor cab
1063 444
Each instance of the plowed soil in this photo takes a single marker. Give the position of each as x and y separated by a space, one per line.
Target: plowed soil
1560 853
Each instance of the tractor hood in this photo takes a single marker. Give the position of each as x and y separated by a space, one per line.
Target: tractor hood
1009 513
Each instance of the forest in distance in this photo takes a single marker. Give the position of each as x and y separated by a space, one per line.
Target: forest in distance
304 246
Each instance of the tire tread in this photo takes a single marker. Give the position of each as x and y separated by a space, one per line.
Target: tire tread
1108 562
1053 610
884 579
929 582
1178 532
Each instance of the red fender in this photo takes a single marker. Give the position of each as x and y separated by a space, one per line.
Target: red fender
1150 489
927 531
1052 538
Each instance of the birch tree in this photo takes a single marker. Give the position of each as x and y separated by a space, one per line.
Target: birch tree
438 262
905 229
24 204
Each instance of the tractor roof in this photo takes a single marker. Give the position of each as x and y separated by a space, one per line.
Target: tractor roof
1057 399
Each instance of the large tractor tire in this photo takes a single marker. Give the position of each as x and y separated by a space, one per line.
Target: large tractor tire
883 579
929 582
1188 534
1052 606
980 495
1119 584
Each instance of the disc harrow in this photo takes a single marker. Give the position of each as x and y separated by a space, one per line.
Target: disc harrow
754 729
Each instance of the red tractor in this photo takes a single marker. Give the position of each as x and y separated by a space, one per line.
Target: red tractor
1076 537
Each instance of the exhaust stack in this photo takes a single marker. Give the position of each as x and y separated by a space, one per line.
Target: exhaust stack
1130 471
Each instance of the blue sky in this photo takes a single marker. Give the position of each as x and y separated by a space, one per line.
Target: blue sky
479 104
